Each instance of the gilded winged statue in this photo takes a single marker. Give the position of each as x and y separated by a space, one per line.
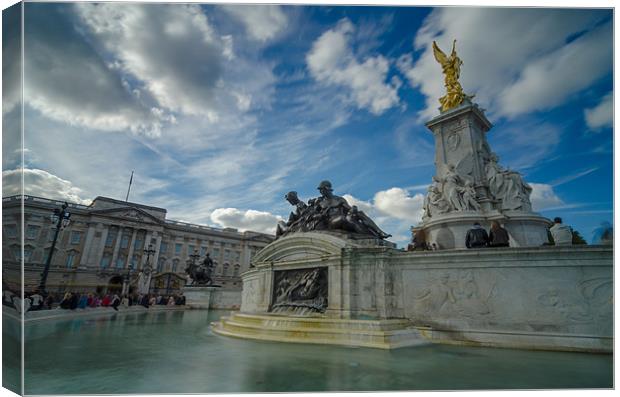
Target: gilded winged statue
451 66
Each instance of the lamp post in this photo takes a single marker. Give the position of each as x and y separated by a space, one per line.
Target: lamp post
126 279
62 219
193 257
149 251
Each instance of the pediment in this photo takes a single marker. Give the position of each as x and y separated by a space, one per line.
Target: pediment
302 246
129 213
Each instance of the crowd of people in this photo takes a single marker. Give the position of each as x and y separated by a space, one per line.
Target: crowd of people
75 300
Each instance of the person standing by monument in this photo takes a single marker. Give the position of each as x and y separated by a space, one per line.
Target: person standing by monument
498 236
562 234
476 237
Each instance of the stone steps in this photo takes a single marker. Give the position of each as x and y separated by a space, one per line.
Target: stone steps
382 334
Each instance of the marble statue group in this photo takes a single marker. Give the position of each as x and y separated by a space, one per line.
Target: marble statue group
455 192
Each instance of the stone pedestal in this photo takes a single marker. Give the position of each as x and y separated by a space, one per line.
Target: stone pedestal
198 297
463 158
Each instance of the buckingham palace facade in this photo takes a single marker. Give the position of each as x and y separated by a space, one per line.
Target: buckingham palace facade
111 240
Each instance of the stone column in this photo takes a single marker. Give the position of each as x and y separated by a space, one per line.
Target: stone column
131 243
99 255
156 255
117 245
87 245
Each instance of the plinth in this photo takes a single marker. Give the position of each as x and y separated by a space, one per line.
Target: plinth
198 297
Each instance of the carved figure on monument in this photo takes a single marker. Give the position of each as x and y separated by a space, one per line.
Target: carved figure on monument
434 202
294 216
507 186
328 212
201 274
452 189
300 290
468 194
451 67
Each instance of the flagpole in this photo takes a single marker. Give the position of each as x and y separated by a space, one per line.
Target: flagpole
129 188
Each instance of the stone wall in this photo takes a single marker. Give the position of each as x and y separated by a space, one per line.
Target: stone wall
527 297
546 297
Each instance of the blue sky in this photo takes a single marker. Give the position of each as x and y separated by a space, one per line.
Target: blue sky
221 110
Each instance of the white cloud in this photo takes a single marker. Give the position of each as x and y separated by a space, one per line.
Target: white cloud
172 49
515 60
394 211
11 53
68 81
262 22
40 183
258 221
331 61
543 197
602 114
397 203
365 206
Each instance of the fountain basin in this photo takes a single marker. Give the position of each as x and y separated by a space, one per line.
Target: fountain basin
381 334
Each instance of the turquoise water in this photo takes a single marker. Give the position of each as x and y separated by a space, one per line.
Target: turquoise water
175 352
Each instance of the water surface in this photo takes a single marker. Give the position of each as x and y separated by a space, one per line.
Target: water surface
175 352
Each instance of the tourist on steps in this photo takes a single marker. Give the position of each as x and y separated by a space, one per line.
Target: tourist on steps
498 236
476 237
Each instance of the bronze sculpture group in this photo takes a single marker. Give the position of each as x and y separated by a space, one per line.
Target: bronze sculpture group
327 212
201 273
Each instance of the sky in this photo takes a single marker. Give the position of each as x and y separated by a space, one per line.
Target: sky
220 110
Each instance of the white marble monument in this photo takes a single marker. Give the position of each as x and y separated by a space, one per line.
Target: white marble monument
469 184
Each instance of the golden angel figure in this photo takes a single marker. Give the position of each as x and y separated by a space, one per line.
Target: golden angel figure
451 67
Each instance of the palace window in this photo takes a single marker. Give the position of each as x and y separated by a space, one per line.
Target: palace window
160 264
125 241
27 253
70 259
216 252
175 265
190 249
134 262
105 261
76 237
110 239
120 263
177 248
32 231
138 244
10 230
203 251
163 247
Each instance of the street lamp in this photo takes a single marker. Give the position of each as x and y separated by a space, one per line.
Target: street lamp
150 251
61 218
193 257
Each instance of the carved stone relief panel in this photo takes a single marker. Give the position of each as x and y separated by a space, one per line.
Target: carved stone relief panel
300 290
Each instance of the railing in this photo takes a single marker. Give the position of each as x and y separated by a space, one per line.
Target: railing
36 199
194 225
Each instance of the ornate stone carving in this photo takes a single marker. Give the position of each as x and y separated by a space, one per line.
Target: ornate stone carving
459 296
133 214
300 290
454 140
508 187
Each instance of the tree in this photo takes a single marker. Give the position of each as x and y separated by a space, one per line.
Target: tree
577 239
